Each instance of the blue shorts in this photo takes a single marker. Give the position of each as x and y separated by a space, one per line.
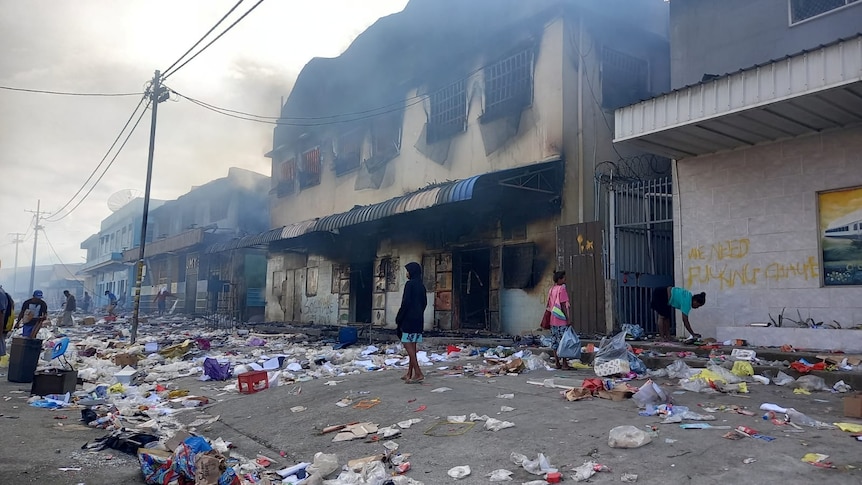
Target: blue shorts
411 338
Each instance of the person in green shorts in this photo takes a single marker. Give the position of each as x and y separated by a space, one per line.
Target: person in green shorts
411 320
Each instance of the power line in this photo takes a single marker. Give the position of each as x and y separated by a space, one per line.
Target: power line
107 167
73 275
204 36
280 123
168 74
105 157
67 93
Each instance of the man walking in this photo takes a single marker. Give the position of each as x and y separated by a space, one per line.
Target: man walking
33 314
69 306
161 300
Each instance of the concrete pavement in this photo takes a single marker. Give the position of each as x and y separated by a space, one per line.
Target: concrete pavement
567 432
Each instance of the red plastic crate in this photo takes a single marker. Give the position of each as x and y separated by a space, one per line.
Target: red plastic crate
253 381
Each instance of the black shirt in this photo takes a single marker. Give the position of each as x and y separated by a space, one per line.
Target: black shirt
37 306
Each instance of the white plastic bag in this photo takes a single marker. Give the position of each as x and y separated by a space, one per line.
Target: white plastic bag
500 475
459 472
680 370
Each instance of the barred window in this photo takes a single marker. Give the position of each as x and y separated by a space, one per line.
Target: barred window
310 172
448 112
509 84
805 9
624 79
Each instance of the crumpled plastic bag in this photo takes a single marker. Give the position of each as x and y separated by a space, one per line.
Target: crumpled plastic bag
782 379
459 472
627 437
324 465
500 475
680 370
742 368
811 383
371 473
636 365
650 393
585 471
611 349
716 373
493 424
539 466
215 370
636 331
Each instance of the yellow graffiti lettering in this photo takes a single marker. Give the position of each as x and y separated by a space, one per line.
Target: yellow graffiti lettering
729 249
696 253
729 276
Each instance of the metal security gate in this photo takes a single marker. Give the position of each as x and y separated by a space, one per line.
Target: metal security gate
642 215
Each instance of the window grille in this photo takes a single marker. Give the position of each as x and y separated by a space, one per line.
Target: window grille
624 79
310 168
448 112
509 84
805 9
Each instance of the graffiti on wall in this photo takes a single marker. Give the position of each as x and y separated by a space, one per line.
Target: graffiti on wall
726 263
840 213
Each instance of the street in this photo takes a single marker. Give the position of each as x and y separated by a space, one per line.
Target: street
568 433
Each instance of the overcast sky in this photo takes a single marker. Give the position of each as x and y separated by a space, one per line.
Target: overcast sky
50 144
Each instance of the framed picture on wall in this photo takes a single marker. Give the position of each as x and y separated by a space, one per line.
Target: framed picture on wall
840 222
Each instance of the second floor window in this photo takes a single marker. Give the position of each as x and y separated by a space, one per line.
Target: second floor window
509 85
309 174
448 114
348 152
285 176
805 9
625 79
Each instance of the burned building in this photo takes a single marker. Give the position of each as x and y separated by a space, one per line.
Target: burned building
463 136
186 252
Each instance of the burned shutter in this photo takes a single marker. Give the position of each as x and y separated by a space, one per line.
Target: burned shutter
341 282
494 293
443 291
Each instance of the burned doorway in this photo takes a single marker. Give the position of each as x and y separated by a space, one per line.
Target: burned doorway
361 290
473 274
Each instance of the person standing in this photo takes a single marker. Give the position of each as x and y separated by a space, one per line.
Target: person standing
112 303
411 320
33 314
69 306
161 300
558 305
86 302
667 298
7 307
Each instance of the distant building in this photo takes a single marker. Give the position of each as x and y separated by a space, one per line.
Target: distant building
763 123
105 268
208 283
52 279
464 136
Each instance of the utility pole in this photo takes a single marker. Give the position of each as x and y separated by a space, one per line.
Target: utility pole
157 94
36 229
17 239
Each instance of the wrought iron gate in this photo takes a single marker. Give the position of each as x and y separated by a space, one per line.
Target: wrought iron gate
643 247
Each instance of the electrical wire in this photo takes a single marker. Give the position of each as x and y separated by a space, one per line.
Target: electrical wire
105 157
204 36
323 123
67 93
170 73
73 275
107 167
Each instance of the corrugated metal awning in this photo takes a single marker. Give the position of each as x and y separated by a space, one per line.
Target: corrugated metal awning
445 193
442 194
805 93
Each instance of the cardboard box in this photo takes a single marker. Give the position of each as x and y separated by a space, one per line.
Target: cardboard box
124 360
853 406
88 321
177 439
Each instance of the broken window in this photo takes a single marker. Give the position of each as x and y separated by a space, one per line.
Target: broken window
386 136
509 85
518 266
448 113
285 176
348 152
624 79
513 231
805 9
309 174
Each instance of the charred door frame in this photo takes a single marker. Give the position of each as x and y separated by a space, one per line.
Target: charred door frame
462 285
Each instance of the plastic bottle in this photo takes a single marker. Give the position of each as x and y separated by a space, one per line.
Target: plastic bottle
796 417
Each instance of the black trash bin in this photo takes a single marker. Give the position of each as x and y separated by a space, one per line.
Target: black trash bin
23 358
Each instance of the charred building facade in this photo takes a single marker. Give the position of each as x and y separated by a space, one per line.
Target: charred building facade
463 136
